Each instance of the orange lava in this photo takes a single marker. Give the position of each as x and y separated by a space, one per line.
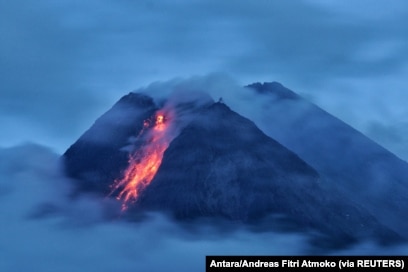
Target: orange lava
144 164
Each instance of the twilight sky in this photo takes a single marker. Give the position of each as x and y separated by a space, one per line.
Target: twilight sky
64 63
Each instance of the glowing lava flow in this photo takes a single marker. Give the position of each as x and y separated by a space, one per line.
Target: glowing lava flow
144 164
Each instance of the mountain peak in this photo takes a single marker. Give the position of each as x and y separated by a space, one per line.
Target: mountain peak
274 88
136 99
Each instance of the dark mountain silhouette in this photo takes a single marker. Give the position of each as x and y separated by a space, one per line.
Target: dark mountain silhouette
220 165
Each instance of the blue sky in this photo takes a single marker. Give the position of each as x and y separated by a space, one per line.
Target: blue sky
63 63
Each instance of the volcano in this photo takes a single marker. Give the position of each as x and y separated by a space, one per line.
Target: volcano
216 164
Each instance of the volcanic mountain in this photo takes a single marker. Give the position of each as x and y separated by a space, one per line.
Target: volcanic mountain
215 164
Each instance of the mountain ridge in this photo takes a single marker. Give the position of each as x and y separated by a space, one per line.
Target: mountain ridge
356 165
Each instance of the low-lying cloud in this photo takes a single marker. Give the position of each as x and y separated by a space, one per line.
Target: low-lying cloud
44 228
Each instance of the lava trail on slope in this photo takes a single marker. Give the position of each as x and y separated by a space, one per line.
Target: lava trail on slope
145 161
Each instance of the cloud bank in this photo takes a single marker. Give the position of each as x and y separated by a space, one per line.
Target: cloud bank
45 228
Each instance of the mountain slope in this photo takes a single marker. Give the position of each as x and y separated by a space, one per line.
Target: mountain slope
222 165
354 164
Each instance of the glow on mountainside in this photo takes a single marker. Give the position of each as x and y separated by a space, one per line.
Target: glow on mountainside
145 162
